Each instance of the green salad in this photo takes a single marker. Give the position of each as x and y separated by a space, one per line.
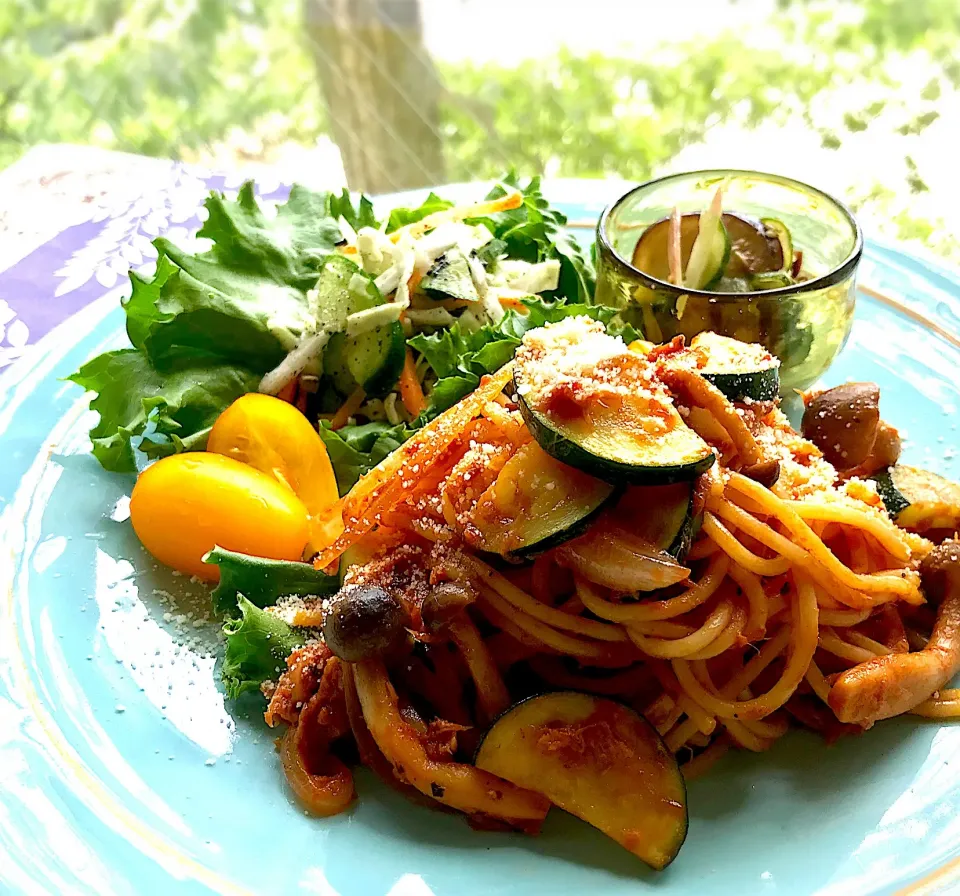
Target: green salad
371 326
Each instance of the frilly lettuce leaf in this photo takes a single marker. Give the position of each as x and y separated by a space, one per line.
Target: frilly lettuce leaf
180 405
401 217
355 450
264 581
258 644
536 232
207 326
361 216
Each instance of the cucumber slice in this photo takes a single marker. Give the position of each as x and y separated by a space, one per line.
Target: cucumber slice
536 504
335 368
740 370
591 403
376 359
373 359
342 289
711 249
920 501
662 515
769 280
598 760
450 278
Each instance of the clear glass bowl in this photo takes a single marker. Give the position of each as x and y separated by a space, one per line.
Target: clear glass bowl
804 325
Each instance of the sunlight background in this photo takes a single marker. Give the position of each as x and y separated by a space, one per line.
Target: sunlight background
861 97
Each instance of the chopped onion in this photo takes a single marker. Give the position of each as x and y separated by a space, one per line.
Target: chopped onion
371 318
389 280
390 409
622 562
431 317
402 297
294 363
533 278
434 244
377 251
490 302
478 274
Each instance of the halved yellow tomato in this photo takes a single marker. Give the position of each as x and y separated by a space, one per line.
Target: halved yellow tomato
185 504
278 440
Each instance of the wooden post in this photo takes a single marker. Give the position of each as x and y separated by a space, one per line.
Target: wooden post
380 89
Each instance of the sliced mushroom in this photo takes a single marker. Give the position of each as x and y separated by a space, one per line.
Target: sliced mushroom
940 572
884 454
364 622
766 472
843 423
444 603
898 682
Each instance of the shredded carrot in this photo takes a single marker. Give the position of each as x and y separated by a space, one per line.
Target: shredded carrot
289 392
397 476
513 299
348 409
414 280
410 391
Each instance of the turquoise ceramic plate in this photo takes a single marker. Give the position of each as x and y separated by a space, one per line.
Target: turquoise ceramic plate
122 769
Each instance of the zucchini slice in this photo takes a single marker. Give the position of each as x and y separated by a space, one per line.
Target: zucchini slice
752 250
920 501
740 370
776 228
755 248
593 404
450 278
356 555
598 760
650 253
662 515
537 503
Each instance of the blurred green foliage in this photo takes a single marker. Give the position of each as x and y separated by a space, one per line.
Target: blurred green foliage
174 77
158 77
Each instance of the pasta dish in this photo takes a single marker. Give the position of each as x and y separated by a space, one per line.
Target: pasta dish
723 579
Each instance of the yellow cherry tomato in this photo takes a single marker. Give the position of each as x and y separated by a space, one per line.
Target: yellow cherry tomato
273 436
185 504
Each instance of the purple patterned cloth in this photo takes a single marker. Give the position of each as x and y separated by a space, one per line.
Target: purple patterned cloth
70 236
